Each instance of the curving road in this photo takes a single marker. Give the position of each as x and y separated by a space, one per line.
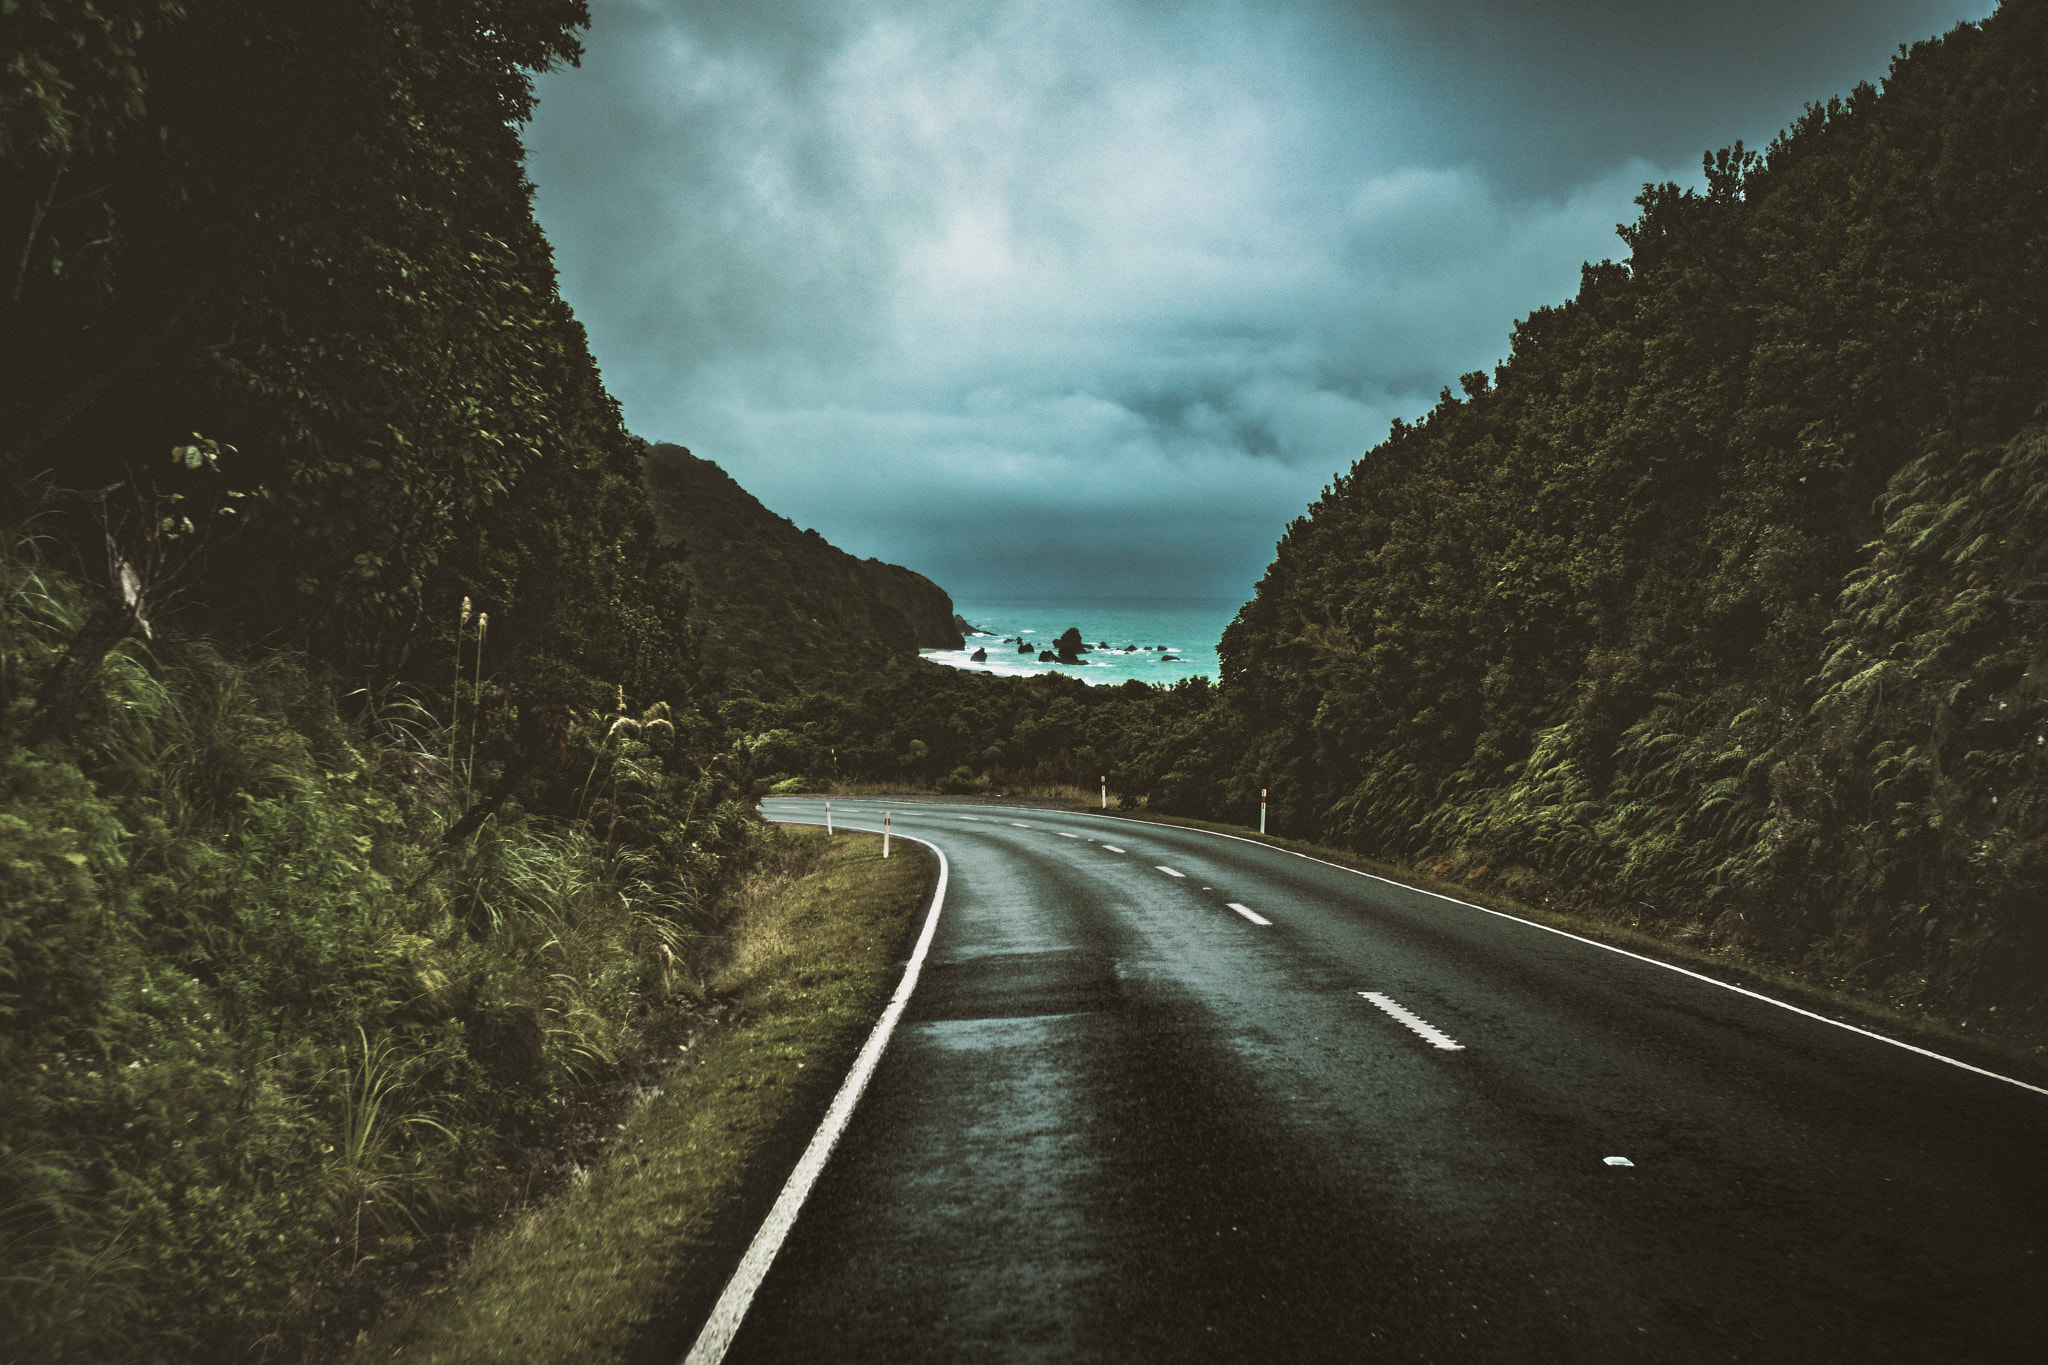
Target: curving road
1162 1095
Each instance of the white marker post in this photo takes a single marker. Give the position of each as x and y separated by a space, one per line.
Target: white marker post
828 817
1105 791
885 834
1262 810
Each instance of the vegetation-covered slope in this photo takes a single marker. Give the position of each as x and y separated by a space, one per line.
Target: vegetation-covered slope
355 795
303 229
1717 602
779 604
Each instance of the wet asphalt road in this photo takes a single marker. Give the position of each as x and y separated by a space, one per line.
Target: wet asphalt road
1123 1122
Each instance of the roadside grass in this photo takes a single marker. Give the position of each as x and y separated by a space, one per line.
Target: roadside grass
2020 1053
626 1263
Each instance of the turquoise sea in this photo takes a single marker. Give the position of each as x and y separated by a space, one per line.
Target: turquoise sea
1158 639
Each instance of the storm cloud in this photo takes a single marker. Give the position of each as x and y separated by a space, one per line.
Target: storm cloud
1093 298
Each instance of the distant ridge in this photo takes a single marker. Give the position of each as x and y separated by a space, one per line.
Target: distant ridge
778 602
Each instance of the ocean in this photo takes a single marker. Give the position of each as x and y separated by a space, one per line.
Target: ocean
1158 639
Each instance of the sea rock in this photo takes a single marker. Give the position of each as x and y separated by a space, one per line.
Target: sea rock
1046 656
1023 648
1070 646
979 656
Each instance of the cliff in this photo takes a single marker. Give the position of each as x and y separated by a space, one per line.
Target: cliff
777 601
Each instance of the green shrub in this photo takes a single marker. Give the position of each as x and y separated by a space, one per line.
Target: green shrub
259 1028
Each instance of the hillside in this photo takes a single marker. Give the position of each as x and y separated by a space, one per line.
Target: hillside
358 803
1717 606
778 604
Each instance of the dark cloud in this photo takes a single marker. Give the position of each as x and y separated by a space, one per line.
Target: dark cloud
1540 94
1051 295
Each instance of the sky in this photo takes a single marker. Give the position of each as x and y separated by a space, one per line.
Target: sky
1093 298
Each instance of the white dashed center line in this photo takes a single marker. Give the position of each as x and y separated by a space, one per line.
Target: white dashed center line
1112 848
1395 1008
975 818
1169 871
1064 835
1020 824
1249 913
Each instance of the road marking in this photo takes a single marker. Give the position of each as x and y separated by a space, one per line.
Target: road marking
726 1314
975 818
1395 1008
1020 824
1605 947
1112 848
1617 1161
1249 913
1064 835
1169 871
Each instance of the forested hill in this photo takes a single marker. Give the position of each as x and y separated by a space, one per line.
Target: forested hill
778 604
359 793
304 232
1721 602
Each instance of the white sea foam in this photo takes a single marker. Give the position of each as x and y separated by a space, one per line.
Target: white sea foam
1140 634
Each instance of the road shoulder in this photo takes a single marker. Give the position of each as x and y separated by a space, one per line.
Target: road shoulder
625 1264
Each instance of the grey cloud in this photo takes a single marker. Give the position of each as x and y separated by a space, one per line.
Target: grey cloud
1069 293
1557 90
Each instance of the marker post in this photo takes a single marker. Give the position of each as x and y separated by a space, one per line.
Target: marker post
828 817
1262 810
885 834
1105 791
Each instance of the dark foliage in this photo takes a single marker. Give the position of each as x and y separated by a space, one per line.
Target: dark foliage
303 228
781 606
1715 604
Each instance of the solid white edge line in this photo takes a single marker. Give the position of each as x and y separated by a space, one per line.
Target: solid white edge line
1596 943
731 1308
1249 913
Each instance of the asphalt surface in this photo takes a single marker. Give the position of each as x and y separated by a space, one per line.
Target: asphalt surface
1121 1121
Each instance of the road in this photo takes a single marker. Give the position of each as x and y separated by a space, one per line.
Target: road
1161 1095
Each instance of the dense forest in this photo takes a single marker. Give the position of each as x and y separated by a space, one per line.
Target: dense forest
359 784
381 718
776 605
1720 603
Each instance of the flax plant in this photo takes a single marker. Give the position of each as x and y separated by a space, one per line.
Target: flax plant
455 695
476 693
368 1092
